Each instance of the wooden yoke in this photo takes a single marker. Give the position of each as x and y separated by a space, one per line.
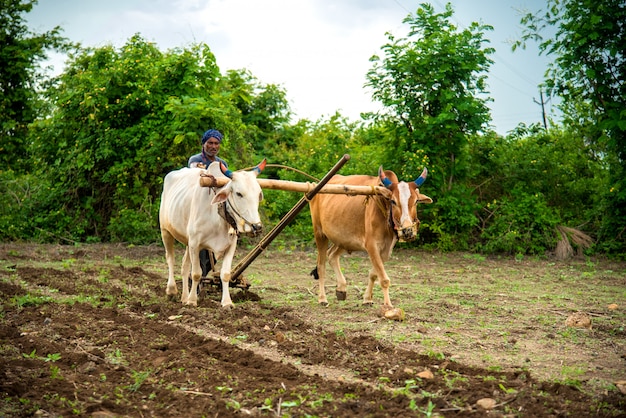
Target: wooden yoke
294 186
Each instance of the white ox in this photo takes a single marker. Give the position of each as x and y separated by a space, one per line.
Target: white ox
190 214
360 223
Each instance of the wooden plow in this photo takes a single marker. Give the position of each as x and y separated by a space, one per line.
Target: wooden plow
309 190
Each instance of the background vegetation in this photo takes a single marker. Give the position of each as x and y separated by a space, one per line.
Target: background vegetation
83 154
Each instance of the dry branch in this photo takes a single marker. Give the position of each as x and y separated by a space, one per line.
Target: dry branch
569 236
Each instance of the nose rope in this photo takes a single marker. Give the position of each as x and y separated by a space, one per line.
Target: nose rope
234 209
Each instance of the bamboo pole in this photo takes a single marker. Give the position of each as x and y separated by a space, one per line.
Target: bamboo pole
294 186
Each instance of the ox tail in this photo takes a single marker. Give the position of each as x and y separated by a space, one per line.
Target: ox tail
314 274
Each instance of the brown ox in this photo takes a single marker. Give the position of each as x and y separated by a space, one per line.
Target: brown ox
359 223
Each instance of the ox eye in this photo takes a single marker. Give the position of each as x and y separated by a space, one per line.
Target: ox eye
239 194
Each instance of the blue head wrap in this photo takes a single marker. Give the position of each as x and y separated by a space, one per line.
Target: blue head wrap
212 133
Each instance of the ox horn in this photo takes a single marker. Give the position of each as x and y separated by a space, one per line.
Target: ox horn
422 178
260 166
226 171
383 178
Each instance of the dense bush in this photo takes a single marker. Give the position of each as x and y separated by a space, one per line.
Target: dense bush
121 118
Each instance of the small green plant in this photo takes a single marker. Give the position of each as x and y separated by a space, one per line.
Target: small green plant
52 357
116 357
289 404
436 355
68 263
233 404
55 373
506 390
103 276
476 257
223 389
428 410
139 378
33 354
29 300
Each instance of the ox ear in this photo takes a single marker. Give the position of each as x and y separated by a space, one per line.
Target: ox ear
383 178
422 178
222 195
226 171
422 198
260 167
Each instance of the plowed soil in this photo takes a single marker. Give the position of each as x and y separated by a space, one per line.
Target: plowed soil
88 331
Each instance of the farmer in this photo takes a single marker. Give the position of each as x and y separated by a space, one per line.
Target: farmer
211 141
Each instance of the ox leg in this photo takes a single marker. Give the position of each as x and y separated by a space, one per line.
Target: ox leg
334 254
184 273
368 296
168 242
192 257
225 274
322 247
378 271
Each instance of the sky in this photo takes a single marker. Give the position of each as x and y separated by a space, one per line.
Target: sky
318 51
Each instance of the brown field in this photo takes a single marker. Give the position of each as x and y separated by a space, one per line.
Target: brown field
88 331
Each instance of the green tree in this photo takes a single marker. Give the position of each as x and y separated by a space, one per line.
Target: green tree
588 72
20 76
264 108
431 85
124 118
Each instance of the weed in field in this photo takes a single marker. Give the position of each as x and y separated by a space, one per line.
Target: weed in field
138 379
104 275
233 404
506 390
429 410
116 357
475 257
68 263
452 379
28 300
55 373
437 355
224 389
52 357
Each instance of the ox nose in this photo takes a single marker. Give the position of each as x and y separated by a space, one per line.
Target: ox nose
257 229
409 233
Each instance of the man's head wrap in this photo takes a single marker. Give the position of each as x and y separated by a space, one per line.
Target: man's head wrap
212 133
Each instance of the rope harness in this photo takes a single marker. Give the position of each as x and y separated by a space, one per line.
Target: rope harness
385 206
228 211
228 217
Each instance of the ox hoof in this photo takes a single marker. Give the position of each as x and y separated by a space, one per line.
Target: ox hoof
340 295
324 304
368 302
228 307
